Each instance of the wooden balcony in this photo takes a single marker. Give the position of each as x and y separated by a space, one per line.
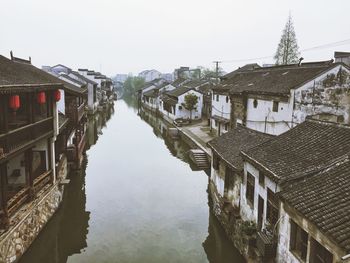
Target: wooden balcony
24 136
24 195
75 113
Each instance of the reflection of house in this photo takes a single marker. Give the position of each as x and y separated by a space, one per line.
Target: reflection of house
29 171
308 166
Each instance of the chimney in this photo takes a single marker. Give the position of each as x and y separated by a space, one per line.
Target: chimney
342 57
300 59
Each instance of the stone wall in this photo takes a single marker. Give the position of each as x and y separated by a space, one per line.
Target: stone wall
27 223
234 228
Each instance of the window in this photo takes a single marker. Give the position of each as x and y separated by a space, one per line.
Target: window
250 189
319 254
215 161
217 97
272 210
226 99
226 126
261 179
298 241
275 106
180 107
255 103
216 123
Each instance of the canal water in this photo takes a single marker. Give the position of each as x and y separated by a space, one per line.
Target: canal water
137 199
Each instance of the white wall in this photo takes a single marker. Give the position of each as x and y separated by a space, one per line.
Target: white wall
276 122
185 114
248 212
61 104
222 107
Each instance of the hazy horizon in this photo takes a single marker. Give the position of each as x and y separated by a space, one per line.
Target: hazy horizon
131 36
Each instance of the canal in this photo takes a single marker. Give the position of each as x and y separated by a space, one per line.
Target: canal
137 199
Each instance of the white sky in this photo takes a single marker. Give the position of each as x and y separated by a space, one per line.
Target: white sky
121 36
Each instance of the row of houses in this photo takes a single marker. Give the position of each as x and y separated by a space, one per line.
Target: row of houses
279 174
42 135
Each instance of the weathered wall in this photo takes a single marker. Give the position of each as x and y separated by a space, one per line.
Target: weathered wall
250 212
238 110
221 107
328 96
283 252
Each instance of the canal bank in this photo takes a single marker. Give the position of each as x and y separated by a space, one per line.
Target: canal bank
138 201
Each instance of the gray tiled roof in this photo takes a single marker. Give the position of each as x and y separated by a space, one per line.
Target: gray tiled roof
303 150
324 199
178 91
230 144
25 74
276 79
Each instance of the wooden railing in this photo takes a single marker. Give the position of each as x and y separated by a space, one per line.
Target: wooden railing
18 200
14 139
75 113
71 153
81 111
41 181
81 145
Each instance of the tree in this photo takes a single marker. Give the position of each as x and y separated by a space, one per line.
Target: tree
287 50
132 85
190 104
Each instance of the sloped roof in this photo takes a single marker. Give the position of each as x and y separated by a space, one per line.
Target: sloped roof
339 54
303 150
230 144
324 199
276 79
153 93
83 78
25 75
178 91
246 67
178 82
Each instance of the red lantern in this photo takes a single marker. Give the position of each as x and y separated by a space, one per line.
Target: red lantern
14 102
41 97
57 95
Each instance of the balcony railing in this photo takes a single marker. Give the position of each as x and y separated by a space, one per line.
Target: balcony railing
41 181
75 113
21 197
18 200
11 141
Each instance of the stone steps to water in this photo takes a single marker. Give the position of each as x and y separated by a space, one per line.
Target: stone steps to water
200 158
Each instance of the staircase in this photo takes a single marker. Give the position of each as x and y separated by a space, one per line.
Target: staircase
200 158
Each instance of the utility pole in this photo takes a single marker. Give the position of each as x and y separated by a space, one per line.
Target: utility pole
217 70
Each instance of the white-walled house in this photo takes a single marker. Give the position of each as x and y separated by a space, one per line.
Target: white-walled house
92 101
220 109
151 97
172 104
283 166
275 99
150 75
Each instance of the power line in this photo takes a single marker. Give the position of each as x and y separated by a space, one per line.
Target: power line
333 44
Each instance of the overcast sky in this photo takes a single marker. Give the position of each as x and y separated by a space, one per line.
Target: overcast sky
122 36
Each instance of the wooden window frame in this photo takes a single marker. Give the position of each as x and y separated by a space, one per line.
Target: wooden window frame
275 106
250 189
272 208
298 243
320 254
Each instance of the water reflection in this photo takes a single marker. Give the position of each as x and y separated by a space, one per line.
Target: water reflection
140 203
66 233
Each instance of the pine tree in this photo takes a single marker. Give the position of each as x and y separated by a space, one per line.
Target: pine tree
288 50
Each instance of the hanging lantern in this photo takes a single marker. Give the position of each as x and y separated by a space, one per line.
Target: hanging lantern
41 97
57 95
14 102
